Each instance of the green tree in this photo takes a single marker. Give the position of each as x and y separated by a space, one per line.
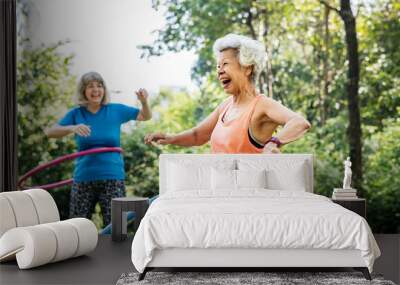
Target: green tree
380 81
308 49
382 179
173 111
141 164
352 84
45 89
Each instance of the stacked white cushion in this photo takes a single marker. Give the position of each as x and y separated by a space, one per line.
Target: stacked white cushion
41 244
31 232
26 208
65 236
45 206
32 246
87 235
23 209
7 218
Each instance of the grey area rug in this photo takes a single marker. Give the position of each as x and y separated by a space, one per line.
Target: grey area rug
243 278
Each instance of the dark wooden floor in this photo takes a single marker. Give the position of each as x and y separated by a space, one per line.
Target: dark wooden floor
389 262
103 266
110 260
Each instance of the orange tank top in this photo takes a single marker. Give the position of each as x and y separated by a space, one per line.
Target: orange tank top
232 136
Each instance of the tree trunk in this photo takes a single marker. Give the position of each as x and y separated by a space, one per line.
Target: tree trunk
353 74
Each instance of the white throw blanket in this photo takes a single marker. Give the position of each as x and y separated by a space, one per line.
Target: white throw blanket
253 218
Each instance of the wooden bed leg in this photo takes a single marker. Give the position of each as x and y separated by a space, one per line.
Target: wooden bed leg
364 271
143 274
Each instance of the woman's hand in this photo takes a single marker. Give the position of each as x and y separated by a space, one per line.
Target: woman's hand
81 130
271 148
159 138
142 95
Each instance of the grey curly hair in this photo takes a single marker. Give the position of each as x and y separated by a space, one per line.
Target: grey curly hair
84 82
250 52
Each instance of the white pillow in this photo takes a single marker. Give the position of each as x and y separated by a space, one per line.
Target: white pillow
251 178
223 179
188 177
227 179
280 174
193 174
293 180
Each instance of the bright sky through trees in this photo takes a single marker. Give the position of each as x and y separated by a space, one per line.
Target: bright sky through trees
104 36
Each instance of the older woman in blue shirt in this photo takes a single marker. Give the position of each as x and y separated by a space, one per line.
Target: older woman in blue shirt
97 123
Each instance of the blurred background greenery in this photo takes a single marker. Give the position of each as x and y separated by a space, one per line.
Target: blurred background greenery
307 72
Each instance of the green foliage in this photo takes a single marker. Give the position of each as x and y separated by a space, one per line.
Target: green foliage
141 164
309 75
327 144
382 168
382 179
308 59
380 81
174 111
44 91
291 30
196 25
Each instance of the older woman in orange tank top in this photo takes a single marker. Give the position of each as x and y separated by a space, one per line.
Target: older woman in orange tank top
246 121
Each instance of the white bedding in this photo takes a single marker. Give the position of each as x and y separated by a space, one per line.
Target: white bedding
252 218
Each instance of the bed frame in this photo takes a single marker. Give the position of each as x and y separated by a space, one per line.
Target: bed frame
242 259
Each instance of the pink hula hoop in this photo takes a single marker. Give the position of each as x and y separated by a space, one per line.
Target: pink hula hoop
60 160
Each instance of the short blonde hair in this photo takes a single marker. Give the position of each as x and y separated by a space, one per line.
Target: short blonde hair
250 52
84 82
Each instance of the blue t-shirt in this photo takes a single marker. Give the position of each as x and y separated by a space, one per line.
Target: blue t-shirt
105 126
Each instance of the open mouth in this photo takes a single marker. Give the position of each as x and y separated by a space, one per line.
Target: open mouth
225 83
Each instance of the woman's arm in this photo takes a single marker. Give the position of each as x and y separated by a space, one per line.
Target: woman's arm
196 136
58 131
145 113
294 125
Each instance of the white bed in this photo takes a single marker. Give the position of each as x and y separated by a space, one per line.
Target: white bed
247 211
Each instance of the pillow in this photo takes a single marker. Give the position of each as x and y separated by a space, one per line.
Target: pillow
281 174
183 177
227 179
251 178
223 179
292 180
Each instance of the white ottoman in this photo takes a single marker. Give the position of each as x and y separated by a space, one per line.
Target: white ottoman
31 232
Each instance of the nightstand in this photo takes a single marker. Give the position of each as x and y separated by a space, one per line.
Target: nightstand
357 205
119 211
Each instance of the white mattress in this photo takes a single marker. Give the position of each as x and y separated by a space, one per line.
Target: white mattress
253 218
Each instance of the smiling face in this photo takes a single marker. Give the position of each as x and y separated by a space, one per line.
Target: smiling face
233 77
94 93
